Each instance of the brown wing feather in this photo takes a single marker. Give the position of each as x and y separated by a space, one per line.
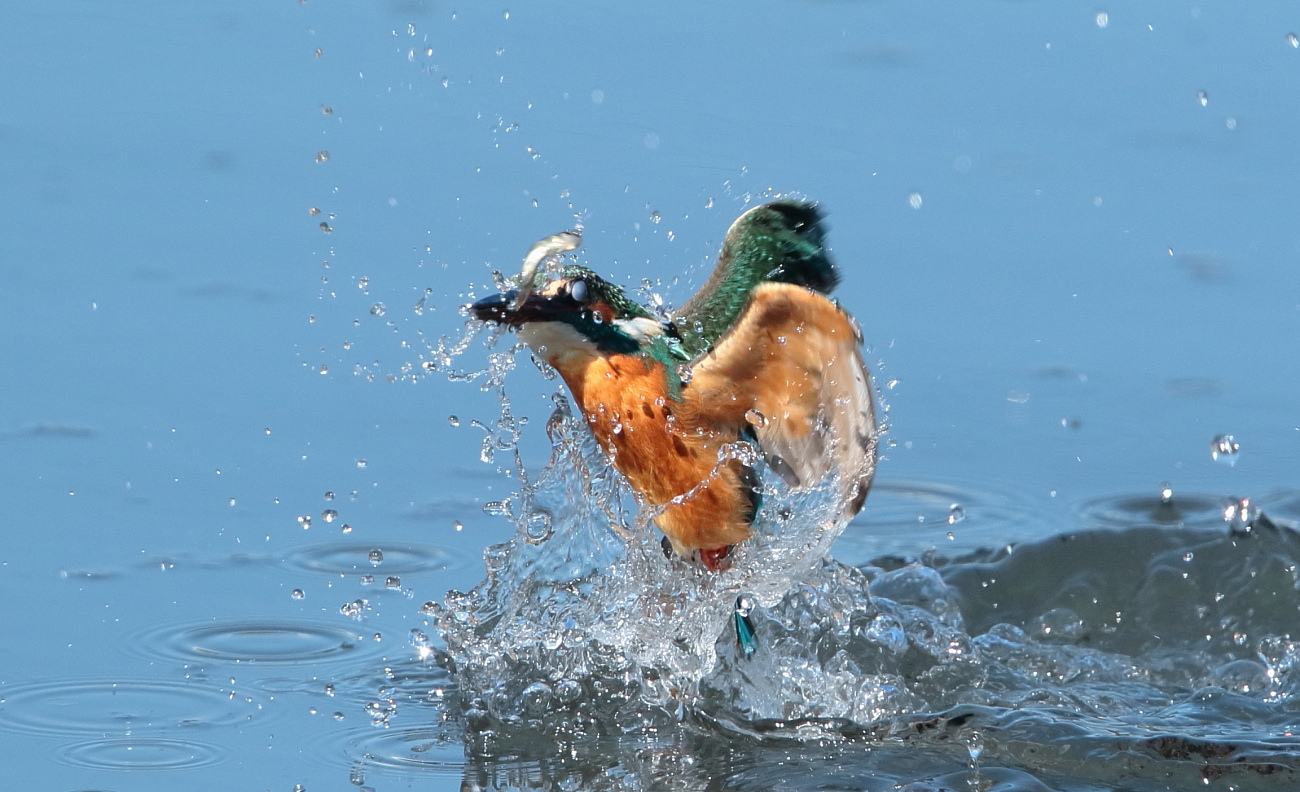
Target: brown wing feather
795 358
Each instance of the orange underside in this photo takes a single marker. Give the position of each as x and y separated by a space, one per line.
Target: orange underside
668 451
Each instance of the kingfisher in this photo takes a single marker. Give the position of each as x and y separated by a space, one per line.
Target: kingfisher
759 354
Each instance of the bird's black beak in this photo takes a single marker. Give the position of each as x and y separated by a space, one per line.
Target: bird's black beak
496 308
506 309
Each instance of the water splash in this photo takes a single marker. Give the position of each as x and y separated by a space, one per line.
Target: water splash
624 637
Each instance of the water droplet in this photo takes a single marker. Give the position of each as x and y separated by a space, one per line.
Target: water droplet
956 514
756 418
361 463
346 528
1239 514
453 420
354 610
297 594
1231 123
654 216
974 749
329 496
458 525
539 528
1102 19
324 369
305 521
329 515
378 309
914 200
1166 494
1223 448
393 582
322 156
376 556
1293 40
1203 98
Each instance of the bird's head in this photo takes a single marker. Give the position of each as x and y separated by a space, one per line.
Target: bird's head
577 314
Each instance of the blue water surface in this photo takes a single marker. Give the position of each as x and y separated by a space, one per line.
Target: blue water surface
232 233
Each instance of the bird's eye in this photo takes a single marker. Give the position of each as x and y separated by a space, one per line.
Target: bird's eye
578 291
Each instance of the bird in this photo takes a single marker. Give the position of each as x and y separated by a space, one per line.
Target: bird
759 354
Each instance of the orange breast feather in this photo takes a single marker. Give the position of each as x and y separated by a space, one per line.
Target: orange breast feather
671 462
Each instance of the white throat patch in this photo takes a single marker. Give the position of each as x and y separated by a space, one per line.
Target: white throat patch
556 342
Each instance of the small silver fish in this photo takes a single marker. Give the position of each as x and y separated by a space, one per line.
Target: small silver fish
542 250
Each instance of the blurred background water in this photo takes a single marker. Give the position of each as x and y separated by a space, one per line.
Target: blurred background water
233 232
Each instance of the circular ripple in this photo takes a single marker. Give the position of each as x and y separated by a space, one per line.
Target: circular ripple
137 753
423 748
351 559
903 517
1187 509
100 706
260 642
